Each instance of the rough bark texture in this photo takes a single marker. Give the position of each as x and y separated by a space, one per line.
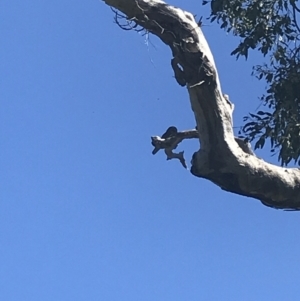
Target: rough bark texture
220 159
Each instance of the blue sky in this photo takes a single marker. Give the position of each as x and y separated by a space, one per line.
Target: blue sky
86 211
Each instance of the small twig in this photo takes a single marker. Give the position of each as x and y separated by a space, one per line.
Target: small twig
161 28
130 24
295 8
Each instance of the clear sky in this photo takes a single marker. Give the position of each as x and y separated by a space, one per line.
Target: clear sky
86 211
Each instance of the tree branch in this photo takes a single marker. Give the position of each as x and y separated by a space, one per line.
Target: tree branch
220 159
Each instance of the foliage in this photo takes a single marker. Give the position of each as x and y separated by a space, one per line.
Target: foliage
270 27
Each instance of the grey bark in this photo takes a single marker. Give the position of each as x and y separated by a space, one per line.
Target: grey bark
221 159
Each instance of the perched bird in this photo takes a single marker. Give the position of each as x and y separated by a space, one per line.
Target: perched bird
171 131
